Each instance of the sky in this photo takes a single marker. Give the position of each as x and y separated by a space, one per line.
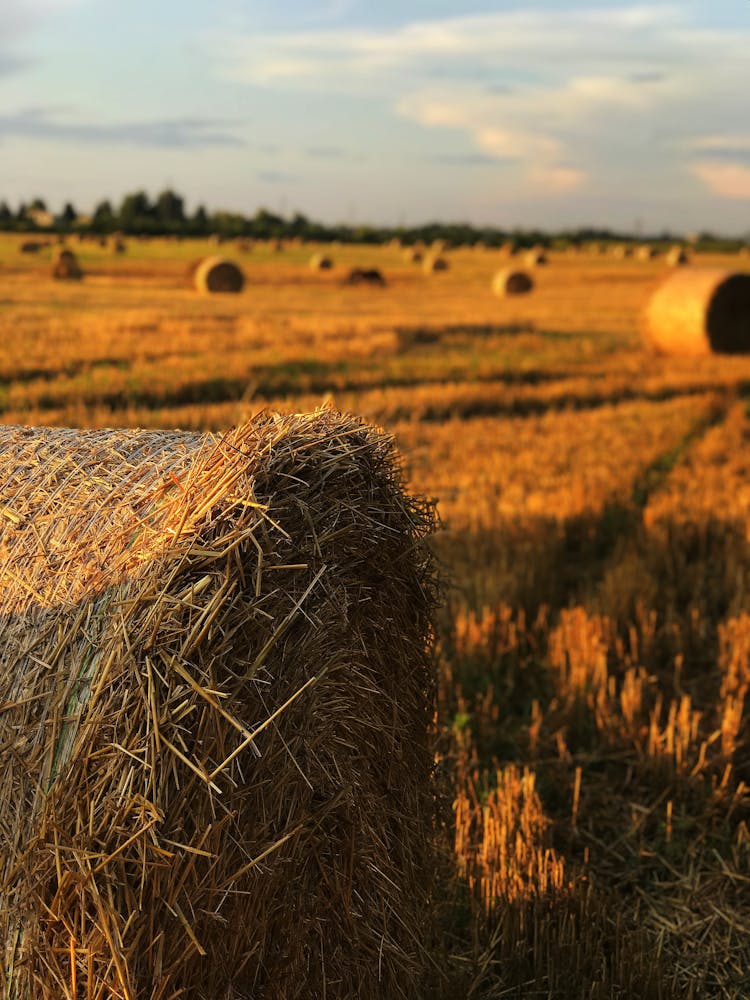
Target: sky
551 114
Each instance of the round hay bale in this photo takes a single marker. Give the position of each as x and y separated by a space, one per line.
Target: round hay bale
433 263
646 252
217 274
700 311
118 245
244 246
677 257
319 262
622 251
276 246
31 246
217 700
364 276
536 257
66 267
412 255
512 282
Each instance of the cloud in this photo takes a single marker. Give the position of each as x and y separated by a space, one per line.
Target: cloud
730 147
18 21
726 180
41 123
276 177
463 159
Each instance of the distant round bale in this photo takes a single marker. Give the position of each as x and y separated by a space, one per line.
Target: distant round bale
66 266
622 251
319 262
433 263
217 274
31 246
364 276
646 252
700 311
244 246
535 257
512 282
118 245
677 257
412 255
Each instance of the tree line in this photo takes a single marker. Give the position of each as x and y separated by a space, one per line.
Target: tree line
165 215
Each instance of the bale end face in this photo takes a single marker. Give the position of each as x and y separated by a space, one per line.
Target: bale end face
320 262
218 275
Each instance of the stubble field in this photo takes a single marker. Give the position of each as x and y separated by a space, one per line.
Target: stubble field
594 642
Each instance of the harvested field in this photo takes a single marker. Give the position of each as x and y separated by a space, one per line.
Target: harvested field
592 644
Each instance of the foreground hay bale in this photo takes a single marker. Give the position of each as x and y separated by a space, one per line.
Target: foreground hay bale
320 262
512 282
217 274
216 699
698 311
66 266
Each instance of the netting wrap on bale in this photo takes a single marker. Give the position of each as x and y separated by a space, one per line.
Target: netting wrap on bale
699 311
215 700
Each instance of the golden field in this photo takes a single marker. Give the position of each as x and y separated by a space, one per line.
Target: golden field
594 643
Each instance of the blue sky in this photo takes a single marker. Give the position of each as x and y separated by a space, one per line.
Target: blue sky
515 113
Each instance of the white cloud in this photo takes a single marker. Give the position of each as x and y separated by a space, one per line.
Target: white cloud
608 97
726 180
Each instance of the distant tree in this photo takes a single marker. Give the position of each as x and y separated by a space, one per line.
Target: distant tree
199 224
66 219
38 205
103 220
137 214
6 216
169 211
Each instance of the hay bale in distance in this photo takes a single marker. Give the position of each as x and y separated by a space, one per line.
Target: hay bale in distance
622 251
512 282
646 252
677 257
412 255
433 263
698 311
32 246
535 257
320 262
216 701
66 266
364 276
217 274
